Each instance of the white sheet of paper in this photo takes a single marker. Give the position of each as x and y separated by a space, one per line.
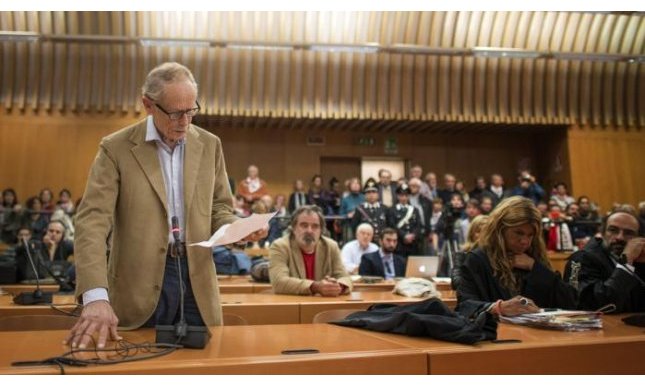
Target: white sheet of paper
237 230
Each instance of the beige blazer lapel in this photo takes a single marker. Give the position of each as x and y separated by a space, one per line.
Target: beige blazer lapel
146 155
192 159
296 255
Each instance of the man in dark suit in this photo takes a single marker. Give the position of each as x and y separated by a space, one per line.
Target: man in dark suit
386 188
384 263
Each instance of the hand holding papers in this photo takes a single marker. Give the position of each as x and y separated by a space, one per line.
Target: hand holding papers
237 230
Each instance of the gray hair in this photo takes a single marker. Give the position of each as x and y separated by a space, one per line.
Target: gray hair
164 74
308 209
365 226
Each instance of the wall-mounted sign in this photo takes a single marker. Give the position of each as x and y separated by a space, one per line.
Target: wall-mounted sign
391 147
315 140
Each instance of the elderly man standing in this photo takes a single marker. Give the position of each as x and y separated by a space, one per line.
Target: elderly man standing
304 262
159 177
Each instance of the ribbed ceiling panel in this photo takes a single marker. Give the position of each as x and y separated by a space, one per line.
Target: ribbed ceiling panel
342 85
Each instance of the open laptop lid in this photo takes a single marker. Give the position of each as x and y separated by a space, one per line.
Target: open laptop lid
422 266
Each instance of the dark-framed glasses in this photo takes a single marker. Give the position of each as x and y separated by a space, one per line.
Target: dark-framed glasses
178 114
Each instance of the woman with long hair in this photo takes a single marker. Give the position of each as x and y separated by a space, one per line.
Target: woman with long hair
509 273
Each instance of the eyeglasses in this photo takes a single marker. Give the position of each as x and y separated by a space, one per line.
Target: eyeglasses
177 115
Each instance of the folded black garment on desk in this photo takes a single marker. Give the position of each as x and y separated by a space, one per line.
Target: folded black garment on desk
635 319
428 318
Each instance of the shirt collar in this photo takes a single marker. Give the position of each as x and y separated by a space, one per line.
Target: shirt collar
152 134
386 256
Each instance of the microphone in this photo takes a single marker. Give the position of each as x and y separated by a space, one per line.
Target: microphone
181 333
37 296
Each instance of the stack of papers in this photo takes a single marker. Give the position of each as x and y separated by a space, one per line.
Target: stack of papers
564 320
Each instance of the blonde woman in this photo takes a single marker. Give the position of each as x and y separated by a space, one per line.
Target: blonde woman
508 273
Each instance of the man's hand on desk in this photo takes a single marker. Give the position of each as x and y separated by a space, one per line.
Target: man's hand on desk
327 288
97 316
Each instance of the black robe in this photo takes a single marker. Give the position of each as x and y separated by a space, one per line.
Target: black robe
600 281
479 286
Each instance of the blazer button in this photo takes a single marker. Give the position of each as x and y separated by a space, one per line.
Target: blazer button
162 249
157 287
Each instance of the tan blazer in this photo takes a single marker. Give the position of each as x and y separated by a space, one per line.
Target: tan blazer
287 267
125 193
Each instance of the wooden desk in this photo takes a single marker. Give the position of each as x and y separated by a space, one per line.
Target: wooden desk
15 289
616 349
256 308
236 350
235 284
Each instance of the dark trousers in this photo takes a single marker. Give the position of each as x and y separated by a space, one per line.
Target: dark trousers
168 310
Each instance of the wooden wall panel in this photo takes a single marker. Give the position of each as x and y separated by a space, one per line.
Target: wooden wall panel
39 150
607 164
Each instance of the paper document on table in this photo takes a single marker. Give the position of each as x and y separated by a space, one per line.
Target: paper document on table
237 230
565 320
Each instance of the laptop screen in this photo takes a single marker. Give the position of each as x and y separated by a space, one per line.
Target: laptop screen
422 266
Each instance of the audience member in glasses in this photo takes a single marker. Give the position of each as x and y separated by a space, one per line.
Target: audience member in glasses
353 250
145 177
611 269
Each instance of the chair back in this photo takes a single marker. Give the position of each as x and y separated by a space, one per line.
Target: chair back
332 315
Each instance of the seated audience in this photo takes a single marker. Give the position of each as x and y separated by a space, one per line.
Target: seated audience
384 262
305 262
34 217
611 269
486 204
471 243
9 216
561 196
46 197
497 190
528 188
252 187
353 250
386 188
480 188
588 218
65 202
51 255
298 197
318 195
509 273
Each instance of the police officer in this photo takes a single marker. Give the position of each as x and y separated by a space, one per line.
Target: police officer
371 211
405 218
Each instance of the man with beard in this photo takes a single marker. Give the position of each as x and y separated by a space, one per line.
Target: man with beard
306 263
611 269
384 263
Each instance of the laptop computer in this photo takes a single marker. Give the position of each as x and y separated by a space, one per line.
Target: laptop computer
422 266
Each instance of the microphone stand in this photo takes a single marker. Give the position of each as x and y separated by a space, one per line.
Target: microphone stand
189 336
37 296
